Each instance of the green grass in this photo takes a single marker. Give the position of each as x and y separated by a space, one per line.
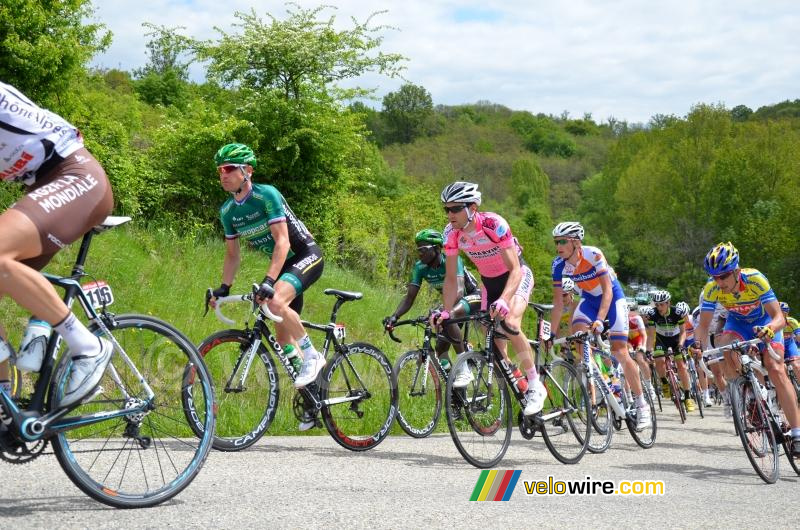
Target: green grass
160 274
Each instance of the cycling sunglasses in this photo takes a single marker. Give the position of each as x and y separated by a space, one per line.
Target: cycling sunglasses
454 209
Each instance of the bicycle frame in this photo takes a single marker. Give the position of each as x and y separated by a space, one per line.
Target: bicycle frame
30 423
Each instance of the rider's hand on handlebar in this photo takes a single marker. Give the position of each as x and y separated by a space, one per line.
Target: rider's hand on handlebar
764 332
266 291
388 322
597 327
212 295
437 317
499 308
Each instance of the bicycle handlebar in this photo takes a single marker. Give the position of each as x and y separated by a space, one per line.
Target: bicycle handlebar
250 297
738 345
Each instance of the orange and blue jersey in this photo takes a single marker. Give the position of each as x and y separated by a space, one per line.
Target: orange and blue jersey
591 267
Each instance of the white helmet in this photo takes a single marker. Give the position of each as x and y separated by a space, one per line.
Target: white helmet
661 296
465 192
571 229
568 286
682 309
644 310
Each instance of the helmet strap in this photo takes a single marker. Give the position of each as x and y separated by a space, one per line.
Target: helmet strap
470 216
244 182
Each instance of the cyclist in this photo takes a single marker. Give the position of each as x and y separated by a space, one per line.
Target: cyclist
667 324
430 267
791 338
507 280
601 298
694 350
637 339
569 301
67 193
260 214
753 311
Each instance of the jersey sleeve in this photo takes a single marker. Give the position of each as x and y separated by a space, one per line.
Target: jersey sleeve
496 228
460 267
227 226
557 270
598 260
638 323
416 274
450 241
273 204
710 297
761 287
650 317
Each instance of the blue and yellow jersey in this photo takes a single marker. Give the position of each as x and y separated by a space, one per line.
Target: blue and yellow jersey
791 333
746 304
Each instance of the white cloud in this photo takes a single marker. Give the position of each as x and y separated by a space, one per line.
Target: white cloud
626 58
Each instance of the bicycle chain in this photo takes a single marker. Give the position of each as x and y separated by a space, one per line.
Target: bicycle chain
18 453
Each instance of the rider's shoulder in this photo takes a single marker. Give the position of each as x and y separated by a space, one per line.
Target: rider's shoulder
755 279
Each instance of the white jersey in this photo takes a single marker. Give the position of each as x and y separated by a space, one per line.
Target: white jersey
30 136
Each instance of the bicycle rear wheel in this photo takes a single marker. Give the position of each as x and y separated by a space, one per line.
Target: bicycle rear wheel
146 458
676 395
754 429
656 385
696 393
15 376
646 437
245 407
361 395
419 393
566 416
479 414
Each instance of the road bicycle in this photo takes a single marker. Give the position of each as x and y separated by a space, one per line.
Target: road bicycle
129 444
609 409
757 418
672 381
694 384
420 378
480 415
355 392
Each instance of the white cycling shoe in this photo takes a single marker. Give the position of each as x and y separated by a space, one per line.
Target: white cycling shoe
86 372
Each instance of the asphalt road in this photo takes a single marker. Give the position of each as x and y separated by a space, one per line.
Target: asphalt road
292 482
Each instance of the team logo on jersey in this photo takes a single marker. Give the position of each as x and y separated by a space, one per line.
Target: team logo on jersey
501 230
490 223
744 309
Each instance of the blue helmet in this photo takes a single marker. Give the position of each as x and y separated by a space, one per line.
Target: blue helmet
721 259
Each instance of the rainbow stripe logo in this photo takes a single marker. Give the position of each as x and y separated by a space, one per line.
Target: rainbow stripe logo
494 485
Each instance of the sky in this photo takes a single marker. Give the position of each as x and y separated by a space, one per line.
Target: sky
623 58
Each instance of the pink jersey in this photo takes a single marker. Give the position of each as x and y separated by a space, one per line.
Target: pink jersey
483 246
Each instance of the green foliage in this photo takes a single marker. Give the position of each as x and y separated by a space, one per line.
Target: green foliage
542 135
784 109
406 113
45 45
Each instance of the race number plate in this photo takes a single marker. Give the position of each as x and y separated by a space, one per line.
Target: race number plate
544 330
339 332
99 294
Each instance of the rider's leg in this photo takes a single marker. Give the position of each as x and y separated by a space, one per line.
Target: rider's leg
783 386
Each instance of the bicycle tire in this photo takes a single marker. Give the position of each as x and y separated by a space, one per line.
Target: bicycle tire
360 370
15 376
479 415
755 432
676 394
602 421
157 349
566 435
697 393
656 386
246 410
645 438
419 393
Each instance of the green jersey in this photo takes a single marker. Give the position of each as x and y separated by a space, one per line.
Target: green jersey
252 217
435 275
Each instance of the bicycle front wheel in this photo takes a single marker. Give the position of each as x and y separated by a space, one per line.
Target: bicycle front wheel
754 429
479 414
247 392
646 436
676 395
602 419
359 397
145 458
419 393
566 416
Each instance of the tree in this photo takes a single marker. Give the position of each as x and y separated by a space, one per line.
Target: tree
741 113
44 45
163 79
406 112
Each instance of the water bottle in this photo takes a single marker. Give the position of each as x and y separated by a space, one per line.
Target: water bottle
290 353
34 343
522 381
445 363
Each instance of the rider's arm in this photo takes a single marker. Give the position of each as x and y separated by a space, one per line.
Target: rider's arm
701 332
558 310
651 339
773 309
682 336
280 233
511 260
232 261
450 289
407 301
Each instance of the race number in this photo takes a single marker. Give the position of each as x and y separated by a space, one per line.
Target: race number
544 330
339 332
99 294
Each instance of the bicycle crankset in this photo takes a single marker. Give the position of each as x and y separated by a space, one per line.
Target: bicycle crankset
527 426
14 451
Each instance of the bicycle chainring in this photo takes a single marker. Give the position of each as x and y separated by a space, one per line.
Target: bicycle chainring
16 452
527 426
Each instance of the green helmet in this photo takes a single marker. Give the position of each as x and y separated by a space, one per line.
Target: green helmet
429 235
235 154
